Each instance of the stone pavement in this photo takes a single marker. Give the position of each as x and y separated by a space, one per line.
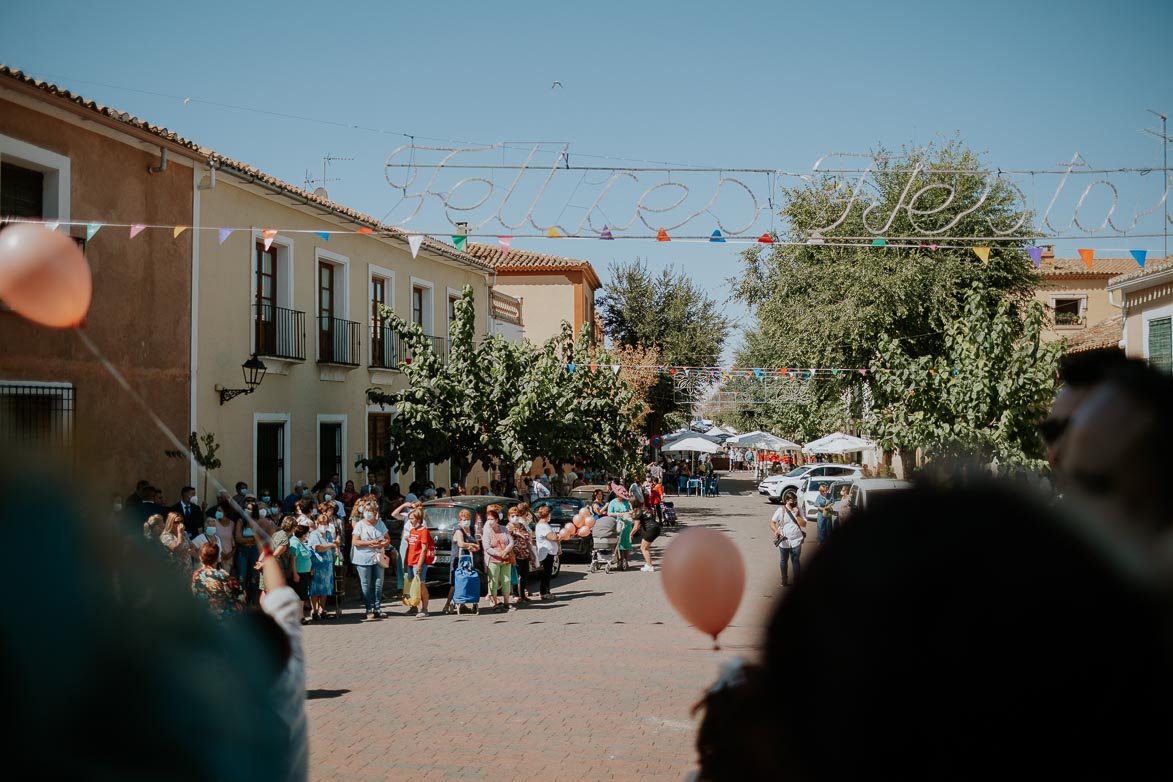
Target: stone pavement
596 685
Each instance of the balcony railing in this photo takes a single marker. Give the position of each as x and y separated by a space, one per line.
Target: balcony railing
388 350
338 341
279 332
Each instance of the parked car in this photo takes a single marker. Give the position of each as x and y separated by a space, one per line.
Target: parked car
562 510
778 487
865 492
443 516
809 490
588 491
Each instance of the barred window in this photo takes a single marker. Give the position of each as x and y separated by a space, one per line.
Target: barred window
37 416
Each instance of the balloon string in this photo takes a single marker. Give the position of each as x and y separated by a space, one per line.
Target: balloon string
179 446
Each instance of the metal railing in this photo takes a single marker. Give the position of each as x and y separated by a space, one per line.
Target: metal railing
388 350
338 341
280 332
36 416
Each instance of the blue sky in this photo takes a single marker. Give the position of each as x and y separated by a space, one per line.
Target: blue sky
749 84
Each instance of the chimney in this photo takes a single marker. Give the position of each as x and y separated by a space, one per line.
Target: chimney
462 229
1048 252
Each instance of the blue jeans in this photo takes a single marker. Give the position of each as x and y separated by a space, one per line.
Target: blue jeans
824 526
370 579
250 579
791 554
399 568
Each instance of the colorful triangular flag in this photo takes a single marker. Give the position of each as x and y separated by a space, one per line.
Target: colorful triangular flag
606 234
570 368
765 239
504 241
1139 255
982 252
365 230
52 226
615 368
716 237
459 240
662 236
92 229
553 233
177 230
269 235
137 229
879 242
414 241
225 233
324 234
1036 255
1088 256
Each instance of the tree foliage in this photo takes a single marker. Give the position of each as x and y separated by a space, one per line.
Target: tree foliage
819 305
497 400
667 313
982 396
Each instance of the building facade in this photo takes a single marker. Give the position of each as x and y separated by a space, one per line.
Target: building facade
552 288
68 161
1146 296
1075 297
201 264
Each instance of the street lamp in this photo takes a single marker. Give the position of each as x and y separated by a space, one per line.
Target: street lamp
254 372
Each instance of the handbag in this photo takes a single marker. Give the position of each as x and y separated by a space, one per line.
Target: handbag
382 560
430 554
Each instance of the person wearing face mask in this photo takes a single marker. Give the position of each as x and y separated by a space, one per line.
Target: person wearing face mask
498 544
241 493
279 546
464 542
247 555
368 540
226 537
323 545
419 543
207 534
519 520
787 525
400 515
177 543
291 499
189 508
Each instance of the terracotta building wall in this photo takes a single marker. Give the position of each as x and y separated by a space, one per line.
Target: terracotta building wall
140 315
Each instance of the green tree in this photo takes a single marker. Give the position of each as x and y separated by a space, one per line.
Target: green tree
821 305
667 312
203 451
983 395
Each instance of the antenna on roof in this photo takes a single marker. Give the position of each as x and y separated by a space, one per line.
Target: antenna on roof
320 190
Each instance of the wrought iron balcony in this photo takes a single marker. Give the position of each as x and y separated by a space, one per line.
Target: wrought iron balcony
338 341
279 332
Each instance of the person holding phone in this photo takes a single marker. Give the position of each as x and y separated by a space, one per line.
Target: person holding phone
419 541
368 540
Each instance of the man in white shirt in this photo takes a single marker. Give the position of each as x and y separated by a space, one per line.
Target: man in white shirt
787 525
541 489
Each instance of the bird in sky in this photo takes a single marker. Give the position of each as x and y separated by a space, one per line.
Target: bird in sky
556 84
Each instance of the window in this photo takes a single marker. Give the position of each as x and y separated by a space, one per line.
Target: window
452 309
22 192
265 293
326 312
331 446
1068 312
34 182
1160 344
271 452
417 307
278 330
36 416
382 294
379 440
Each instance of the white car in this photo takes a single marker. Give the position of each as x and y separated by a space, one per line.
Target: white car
865 491
809 490
777 487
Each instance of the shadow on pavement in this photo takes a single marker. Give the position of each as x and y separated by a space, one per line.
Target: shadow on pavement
323 694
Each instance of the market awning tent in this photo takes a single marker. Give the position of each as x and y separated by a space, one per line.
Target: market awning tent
695 444
838 443
685 433
764 441
716 431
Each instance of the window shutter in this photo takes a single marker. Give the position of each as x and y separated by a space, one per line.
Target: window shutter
1161 344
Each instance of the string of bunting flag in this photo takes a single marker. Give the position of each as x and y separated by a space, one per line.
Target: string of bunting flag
733 372
459 241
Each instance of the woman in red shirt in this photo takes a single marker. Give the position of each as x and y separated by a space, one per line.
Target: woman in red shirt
419 542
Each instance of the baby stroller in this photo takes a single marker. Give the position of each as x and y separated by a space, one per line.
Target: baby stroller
605 550
670 514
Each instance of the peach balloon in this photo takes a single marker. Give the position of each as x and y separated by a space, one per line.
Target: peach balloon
704 578
584 532
589 523
567 532
44 276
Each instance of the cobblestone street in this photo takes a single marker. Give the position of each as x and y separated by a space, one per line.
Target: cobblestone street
594 685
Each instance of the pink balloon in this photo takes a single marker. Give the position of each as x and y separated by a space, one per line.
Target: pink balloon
571 522
589 523
567 532
584 532
44 276
704 578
